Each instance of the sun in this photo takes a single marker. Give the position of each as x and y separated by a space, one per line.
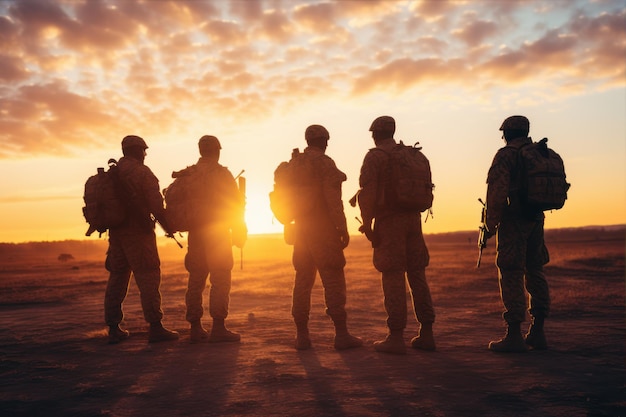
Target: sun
259 217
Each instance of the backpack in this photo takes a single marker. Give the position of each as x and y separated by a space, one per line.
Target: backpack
543 184
296 191
105 205
409 184
188 199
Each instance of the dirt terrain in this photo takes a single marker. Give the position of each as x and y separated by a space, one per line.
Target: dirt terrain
55 360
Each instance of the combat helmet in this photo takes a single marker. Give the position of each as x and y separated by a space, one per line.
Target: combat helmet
515 123
383 124
133 140
315 132
209 142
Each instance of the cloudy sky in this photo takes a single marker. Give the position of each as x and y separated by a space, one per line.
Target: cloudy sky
77 76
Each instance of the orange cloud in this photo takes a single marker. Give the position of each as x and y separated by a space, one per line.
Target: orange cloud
73 72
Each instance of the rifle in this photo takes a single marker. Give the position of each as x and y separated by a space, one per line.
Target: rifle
482 232
168 234
241 182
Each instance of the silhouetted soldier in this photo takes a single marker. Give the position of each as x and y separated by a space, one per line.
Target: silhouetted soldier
210 246
399 247
132 246
521 251
320 237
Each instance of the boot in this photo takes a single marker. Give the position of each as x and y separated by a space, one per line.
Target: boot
425 339
511 342
343 339
219 333
197 333
117 334
303 341
158 333
393 343
536 338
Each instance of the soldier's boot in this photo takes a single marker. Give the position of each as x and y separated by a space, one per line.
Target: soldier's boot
197 333
303 341
425 339
158 333
343 338
536 337
393 343
117 334
220 334
512 342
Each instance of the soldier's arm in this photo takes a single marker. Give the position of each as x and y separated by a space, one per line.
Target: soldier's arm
498 184
331 189
152 194
368 181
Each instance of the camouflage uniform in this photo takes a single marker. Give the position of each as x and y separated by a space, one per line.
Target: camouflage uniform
521 251
318 246
132 246
210 248
401 248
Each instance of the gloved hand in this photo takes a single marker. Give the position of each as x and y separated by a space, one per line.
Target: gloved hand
344 237
239 235
165 225
370 235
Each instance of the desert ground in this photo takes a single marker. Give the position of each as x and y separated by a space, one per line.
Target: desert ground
55 359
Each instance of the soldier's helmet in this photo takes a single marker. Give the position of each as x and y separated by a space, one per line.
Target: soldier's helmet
316 131
383 124
132 140
209 142
515 123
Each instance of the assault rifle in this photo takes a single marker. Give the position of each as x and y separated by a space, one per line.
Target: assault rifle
167 234
482 232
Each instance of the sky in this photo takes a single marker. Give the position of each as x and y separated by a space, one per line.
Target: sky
77 76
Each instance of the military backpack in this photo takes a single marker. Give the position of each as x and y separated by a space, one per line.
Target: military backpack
296 191
408 185
543 184
105 203
189 199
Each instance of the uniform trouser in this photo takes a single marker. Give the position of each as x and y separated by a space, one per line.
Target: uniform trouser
134 252
521 254
314 252
402 256
209 256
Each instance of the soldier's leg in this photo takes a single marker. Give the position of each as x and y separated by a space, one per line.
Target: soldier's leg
390 260
301 296
537 287
143 257
423 308
196 266
219 296
334 283
417 258
511 260
116 290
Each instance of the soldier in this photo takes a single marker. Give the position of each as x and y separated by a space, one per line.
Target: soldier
210 247
521 251
400 252
320 238
132 246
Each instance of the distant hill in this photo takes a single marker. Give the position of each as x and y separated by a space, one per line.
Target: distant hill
257 245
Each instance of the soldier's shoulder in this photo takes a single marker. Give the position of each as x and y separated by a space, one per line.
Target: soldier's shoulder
375 155
506 152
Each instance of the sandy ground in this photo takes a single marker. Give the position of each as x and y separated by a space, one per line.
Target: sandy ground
55 360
